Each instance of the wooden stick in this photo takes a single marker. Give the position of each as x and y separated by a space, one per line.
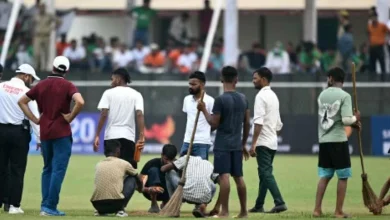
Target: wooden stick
356 109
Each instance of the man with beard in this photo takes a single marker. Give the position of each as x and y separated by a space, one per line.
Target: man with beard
335 112
202 140
267 125
119 106
15 136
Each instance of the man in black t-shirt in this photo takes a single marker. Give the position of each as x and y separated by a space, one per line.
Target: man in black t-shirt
230 116
155 187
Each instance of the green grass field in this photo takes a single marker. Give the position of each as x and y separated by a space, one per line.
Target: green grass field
296 175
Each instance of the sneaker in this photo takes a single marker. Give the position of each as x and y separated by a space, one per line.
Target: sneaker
98 214
15 210
50 212
121 214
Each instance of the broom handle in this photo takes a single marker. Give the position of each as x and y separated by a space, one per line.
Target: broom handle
356 109
182 180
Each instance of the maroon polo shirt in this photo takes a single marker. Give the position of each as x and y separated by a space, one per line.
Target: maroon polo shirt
53 96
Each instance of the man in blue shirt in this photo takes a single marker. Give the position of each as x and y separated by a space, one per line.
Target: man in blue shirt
230 117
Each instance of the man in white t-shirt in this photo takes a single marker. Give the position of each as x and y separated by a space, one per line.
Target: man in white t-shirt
187 60
123 58
120 106
202 139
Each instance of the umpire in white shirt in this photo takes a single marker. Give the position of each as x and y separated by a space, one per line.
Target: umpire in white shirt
267 125
15 133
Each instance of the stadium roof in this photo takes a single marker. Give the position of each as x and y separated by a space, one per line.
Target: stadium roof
198 4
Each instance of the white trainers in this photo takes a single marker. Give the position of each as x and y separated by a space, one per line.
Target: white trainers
15 210
98 214
121 214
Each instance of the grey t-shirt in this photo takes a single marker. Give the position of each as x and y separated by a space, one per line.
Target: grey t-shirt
231 106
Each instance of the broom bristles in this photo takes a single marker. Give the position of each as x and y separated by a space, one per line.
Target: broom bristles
369 197
172 208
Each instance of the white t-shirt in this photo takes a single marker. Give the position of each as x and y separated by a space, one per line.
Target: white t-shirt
187 60
77 54
203 130
122 103
123 59
139 55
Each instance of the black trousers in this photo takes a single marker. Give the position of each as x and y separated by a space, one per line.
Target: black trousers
127 150
14 146
377 53
7 185
109 206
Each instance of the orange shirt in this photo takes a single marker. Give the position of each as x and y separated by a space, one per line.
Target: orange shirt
174 56
157 60
60 47
377 34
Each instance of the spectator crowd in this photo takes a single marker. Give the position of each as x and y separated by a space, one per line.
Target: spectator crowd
182 51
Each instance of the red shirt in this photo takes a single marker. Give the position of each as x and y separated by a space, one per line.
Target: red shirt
53 96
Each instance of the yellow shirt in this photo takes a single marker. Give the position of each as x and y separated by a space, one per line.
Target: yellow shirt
109 177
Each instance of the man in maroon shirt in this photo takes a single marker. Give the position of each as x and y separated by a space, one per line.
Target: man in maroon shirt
54 96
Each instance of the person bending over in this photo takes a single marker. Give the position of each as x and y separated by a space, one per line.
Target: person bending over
115 182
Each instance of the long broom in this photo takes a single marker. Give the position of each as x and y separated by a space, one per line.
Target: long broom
369 197
172 208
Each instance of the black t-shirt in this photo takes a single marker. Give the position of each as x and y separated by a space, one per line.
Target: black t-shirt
156 162
231 106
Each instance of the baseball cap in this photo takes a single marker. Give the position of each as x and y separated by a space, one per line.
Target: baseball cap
27 69
61 64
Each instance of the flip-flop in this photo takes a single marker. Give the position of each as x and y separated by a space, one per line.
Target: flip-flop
198 214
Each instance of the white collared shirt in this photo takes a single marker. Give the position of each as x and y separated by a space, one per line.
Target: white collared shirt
203 130
10 93
266 113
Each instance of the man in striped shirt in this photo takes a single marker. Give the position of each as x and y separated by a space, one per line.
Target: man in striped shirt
199 188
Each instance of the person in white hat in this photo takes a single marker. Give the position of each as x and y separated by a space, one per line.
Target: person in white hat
54 96
15 134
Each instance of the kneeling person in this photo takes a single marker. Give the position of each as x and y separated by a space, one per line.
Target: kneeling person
200 182
155 188
115 182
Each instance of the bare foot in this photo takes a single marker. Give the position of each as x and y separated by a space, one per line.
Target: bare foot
317 214
214 212
242 215
341 215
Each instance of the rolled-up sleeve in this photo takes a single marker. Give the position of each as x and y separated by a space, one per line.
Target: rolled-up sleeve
279 124
259 110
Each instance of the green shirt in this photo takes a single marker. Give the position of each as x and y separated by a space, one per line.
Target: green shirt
328 61
309 59
143 16
333 104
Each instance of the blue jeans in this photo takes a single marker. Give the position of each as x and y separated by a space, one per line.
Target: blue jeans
198 150
141 35
56 154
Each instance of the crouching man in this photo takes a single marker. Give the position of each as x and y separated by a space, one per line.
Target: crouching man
155 187
200 185
115 182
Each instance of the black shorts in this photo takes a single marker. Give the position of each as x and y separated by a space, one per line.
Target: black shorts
127 150
228 162
334 155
